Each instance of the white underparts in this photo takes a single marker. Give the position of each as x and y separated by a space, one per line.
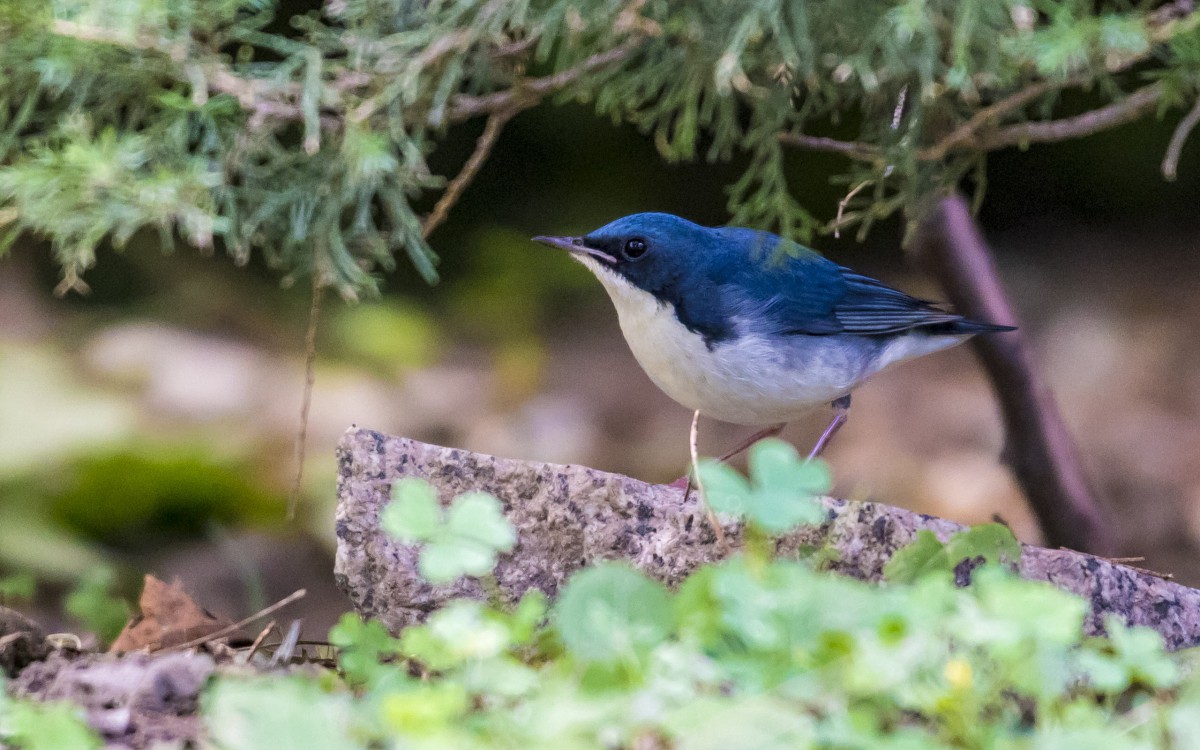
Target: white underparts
750 379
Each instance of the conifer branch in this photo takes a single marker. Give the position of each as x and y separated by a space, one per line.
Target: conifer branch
278 100
1095 121
527 93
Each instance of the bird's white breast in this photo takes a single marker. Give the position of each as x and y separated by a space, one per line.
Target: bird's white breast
751 378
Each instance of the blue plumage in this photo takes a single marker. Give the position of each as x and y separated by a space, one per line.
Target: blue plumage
715 275
747 327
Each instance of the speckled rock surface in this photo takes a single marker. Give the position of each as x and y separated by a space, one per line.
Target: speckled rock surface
569 516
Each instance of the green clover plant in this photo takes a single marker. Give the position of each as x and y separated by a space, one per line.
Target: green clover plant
463 539
43 726
779 494
992 543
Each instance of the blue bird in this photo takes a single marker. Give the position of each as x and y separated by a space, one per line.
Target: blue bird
746 327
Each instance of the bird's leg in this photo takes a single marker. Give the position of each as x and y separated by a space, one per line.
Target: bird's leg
686 481
765 432
841 407
718 532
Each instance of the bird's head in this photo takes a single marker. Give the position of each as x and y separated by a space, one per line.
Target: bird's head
662 254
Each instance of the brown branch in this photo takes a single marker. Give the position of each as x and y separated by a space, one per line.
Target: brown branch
483 147
964 137
1037 446
850 149
965 133
1189 122
1089 123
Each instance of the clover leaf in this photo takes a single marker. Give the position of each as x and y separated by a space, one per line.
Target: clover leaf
611 612
462 540
779 495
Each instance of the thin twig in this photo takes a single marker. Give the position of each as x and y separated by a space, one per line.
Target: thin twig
1123 560
297 594
713 521
483 147
310 377
850 149
1155 573
1170 164
138 41
898 111
464 107
837 222
262 636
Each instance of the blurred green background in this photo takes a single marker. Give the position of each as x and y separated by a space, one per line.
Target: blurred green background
148 426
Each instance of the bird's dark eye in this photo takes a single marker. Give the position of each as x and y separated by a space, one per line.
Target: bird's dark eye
635 248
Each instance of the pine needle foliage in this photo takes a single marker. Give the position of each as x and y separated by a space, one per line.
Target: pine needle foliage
303 133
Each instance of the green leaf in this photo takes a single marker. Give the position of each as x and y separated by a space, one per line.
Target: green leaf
779 495
725 489
425 709
528 616
923 555
466 543
20 586
362 644
478 516
753 722
93 604
1141 656
461 631
611 613
291 712
47 726
775 464
414 513
447 559
994 542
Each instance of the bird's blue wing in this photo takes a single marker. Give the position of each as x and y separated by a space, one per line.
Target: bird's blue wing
800 292
871 307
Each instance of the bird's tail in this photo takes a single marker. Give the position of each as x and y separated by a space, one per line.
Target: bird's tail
967 326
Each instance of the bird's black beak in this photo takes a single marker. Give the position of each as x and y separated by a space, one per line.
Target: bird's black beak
576 246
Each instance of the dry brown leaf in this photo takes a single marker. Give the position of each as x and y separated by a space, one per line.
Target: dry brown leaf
169 617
